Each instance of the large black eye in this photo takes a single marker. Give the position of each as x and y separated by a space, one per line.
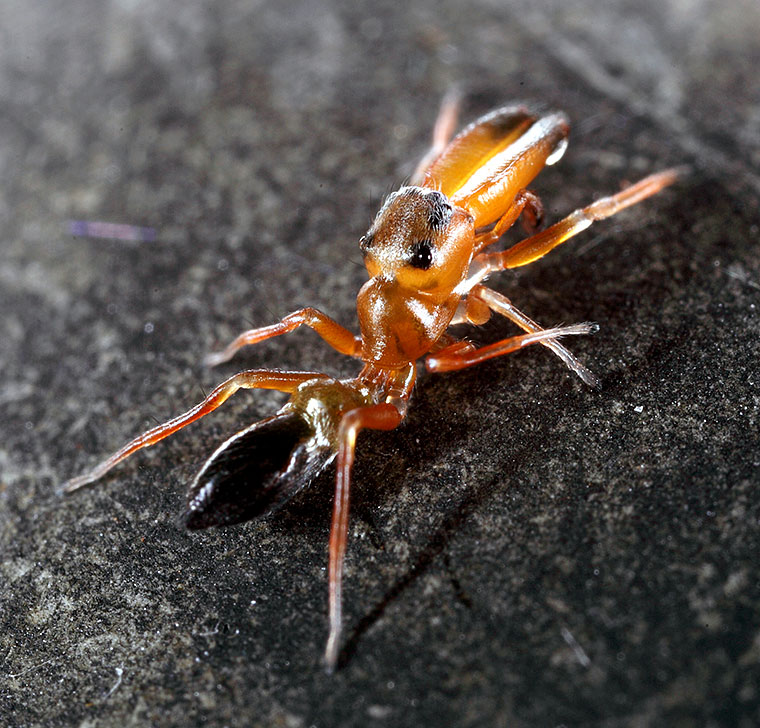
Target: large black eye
422 254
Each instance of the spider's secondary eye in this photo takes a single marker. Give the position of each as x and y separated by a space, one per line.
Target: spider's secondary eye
365 243
440 213
422 254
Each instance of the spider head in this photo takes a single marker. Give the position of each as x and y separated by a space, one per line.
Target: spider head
420 240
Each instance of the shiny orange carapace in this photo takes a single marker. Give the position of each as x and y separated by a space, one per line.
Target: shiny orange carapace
428 254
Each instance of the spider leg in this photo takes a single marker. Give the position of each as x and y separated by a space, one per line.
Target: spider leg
384 416
502 305
337 336
526 203
536 246
458 356
250 379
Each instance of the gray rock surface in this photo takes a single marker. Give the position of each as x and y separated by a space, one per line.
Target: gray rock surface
524 551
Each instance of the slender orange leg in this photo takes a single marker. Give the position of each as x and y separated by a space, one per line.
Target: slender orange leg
458 357
455 348
331 331
250 379
537 246
527 204
502 305
376 417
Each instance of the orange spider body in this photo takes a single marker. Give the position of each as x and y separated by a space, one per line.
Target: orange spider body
425 254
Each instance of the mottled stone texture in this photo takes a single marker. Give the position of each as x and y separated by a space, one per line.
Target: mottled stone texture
524 551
